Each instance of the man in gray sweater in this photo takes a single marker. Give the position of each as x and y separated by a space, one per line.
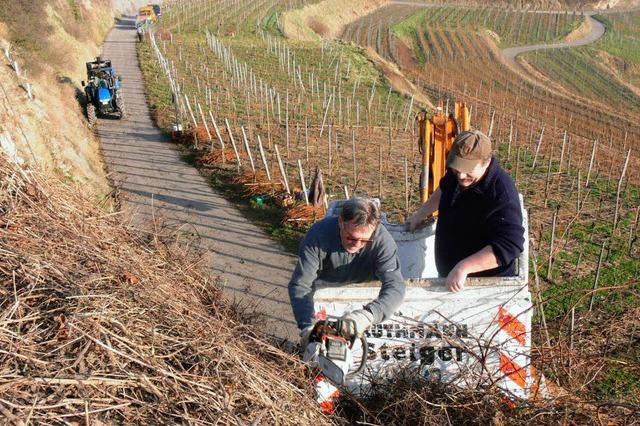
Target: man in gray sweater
351 248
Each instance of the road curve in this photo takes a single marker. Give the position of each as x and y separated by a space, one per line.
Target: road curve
590 12
596 32
509 55
155 183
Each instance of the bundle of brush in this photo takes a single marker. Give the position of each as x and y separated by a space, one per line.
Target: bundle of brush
98 325
300 214
257 183
215 157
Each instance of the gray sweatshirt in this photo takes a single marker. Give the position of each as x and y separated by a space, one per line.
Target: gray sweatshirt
323 262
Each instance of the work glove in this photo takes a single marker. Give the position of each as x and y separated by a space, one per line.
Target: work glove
356 322
305 333
309 351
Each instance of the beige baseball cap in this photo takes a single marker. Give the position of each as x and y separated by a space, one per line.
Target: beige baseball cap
469 149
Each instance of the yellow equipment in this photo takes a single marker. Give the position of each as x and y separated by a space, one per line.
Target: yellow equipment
146 13
435 138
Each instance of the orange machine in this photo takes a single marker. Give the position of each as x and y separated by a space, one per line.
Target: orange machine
435 138
146 13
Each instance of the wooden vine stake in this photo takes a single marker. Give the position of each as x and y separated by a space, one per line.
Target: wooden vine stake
539 294
353 157
564 143
551 243
593 156
624 170
282 171
595 282
206 127
326 111
535 157
304 186
215 127
406 186
246 146
233 143
264 159
193 118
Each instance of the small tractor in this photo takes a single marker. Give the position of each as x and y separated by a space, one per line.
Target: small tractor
103 90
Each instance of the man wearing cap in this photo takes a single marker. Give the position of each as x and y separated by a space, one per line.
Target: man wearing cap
479 230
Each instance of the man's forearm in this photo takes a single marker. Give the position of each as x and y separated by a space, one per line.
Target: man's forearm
390 297
428 208
301 304
481 260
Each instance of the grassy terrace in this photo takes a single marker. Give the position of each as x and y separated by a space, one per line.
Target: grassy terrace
513 28
622 40
581 71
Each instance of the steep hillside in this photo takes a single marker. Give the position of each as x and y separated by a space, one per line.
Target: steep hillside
103 326
50 41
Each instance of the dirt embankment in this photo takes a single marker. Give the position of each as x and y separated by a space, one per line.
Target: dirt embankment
581 32
326 19
50 41
397 79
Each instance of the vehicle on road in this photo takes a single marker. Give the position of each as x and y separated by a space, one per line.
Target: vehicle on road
146 13
103 91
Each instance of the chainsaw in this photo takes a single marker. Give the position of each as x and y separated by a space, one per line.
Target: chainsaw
332 351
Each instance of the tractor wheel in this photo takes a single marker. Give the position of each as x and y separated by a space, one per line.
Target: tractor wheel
91 114
121 107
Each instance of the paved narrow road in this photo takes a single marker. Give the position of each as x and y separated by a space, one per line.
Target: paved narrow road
596 32
155 182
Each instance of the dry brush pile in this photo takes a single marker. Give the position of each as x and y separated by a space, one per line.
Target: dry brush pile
99 324
414 401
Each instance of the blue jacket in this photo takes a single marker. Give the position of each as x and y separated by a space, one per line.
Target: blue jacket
488 213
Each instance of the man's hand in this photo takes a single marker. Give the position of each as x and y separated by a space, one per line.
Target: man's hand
457 278
304 336
355 323
413 222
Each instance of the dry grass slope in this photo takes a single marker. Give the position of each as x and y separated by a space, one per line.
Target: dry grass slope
50 41
325 19
101 325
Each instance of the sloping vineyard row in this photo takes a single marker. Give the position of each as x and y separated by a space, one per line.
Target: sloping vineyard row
306 126
478 65
224 16
512 27
582 73
479 70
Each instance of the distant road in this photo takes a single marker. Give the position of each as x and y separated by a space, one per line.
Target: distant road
597 31
511 53
464 6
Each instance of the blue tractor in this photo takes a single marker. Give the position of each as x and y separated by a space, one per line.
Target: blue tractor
103 91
